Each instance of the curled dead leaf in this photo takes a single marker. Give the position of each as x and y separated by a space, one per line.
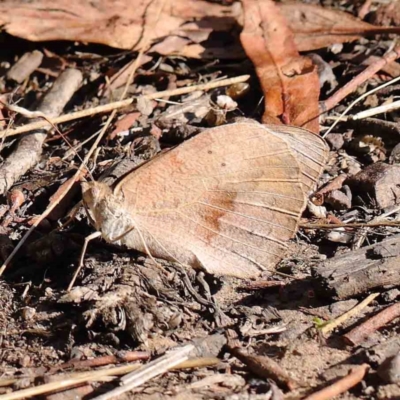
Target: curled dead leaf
289 81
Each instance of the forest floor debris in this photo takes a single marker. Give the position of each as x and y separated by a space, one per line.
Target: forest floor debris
302 330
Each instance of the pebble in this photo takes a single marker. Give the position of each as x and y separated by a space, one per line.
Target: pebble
389 370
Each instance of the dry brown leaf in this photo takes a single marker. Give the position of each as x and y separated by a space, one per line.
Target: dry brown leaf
392 69
226 200
190 22
124 124
120 77
290 82
122 24
315 27
387 14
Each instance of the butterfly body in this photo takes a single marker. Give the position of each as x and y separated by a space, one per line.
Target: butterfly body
226 200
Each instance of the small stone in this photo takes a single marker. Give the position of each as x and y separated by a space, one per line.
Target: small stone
28 313
379 180
317 211
226 103
324 70
338 200
335 140
391 295
144 105
336 48
395 155
353 169
388 392
389 370
339 236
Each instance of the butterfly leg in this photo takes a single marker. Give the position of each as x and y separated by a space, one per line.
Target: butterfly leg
85 245
71 216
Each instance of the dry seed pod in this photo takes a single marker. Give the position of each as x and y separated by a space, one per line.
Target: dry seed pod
226 200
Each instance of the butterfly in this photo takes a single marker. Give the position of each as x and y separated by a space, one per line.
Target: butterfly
225 201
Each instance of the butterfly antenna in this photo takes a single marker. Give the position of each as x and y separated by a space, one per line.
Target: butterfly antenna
74 151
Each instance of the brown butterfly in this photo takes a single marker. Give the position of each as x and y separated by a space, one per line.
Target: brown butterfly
226 201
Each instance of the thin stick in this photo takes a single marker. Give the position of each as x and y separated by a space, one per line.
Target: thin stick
357 101
120 357
123 103
265 367
330 326
363 331
191 363
376 222
76 379
377 110
149 371
351 225
342 385
351 86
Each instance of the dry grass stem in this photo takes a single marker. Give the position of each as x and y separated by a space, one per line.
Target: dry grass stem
73 380
332 325
121 104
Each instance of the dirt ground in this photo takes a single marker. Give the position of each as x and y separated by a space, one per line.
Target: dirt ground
122 301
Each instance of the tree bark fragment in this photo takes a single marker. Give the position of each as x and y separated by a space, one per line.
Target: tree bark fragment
29 148
24 67
357 272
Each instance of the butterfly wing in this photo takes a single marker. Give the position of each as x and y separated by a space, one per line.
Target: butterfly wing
227 200
310 149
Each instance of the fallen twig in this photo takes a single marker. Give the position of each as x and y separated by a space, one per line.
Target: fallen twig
330 326
358 80
149 371
342 385
377 110
121 357
121 104
72 380
361 332
357 273
377 220
363 96
29 148
257 285
265 367
336 183
23 68
197 362
351 225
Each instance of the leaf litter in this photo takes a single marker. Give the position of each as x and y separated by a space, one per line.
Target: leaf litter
124 300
